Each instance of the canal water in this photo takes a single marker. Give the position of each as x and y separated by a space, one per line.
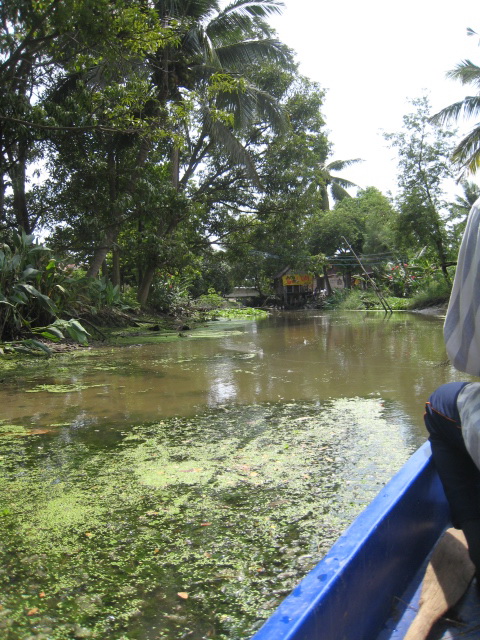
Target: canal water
180 489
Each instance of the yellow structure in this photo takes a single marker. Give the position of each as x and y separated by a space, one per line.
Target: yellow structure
299 279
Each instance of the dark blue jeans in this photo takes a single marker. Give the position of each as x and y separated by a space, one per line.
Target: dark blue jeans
459 475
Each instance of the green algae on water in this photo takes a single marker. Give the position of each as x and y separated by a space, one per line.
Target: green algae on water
62 388
231 507
11 429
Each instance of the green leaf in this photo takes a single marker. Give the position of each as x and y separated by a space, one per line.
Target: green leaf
28 272
49 333
74 330
35 345
44 300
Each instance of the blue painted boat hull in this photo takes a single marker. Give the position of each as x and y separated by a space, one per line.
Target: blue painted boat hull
351 593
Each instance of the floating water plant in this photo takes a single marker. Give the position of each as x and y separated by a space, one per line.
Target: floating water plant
186 525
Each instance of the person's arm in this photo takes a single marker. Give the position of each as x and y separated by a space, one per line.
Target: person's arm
462 322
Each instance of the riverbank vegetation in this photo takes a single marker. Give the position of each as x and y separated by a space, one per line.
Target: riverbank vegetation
167 154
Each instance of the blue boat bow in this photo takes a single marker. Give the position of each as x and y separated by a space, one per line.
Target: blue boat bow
352 592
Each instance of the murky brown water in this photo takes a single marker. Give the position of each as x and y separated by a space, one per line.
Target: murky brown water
289 356
181 489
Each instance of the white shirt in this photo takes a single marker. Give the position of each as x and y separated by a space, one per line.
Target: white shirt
462 330
462 322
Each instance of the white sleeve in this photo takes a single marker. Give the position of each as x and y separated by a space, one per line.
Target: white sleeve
462 323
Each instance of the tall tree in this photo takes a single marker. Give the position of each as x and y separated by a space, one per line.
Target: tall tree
52 43
424 152
271 222
212 66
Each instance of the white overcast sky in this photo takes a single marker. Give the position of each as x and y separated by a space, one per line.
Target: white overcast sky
372 56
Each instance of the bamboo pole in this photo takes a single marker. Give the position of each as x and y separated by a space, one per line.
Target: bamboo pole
386 307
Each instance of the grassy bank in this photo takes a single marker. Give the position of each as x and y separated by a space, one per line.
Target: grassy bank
436 294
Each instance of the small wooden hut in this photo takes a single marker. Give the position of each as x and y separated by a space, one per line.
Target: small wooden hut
294 289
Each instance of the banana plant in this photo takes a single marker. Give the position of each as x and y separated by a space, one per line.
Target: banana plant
31 288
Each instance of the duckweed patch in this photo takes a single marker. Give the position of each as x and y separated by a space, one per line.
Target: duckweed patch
12 429
61 388
202 333
187 527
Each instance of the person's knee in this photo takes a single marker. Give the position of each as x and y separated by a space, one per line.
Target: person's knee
430 423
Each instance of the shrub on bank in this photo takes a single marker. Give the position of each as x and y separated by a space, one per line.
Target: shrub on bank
433 293
355 299
35 297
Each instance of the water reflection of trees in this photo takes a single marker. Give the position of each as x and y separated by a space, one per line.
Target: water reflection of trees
288 357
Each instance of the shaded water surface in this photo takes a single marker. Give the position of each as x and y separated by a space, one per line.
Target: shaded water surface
180 490
302 356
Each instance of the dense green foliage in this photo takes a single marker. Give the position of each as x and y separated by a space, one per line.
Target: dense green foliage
144 138
35 290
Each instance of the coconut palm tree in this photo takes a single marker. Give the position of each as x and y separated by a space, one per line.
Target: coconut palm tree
335 185
216 49
216 52
467 153
461 207
208 65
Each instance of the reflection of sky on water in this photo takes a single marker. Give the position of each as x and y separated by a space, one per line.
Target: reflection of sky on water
221 392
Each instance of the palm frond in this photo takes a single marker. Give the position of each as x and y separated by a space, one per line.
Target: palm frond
467 153
471 192
198 43
254 8
342 182
225 27
222 136
200 10
467 108
270 110
243 16
338 192
466 72
338 165
252 103
251 52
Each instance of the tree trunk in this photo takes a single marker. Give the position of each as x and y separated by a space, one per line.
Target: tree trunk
347 278
144 288
328 286
2 197
116 266
17 174
100 253
442 258
175 162
113 231
105 270
149 273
